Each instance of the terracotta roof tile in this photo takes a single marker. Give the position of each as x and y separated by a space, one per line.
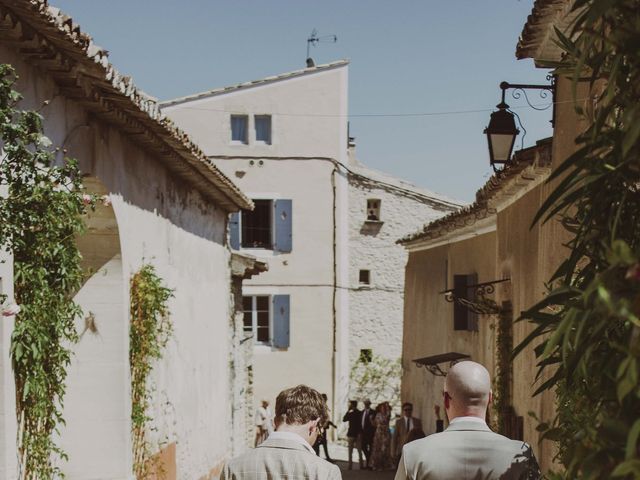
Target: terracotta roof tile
538 156
83 69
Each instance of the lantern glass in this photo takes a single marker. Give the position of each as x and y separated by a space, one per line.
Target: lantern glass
501 145
501 134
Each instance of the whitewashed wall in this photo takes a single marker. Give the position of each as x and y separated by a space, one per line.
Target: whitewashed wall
376 311
308 121
163 221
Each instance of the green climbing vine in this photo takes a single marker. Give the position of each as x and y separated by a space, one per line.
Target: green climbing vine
40 217
502 381
149 333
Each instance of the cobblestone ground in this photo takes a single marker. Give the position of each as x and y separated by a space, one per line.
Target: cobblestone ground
357 474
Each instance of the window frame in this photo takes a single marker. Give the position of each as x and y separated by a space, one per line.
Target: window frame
247 128
255 128
254 318
272 240
378 208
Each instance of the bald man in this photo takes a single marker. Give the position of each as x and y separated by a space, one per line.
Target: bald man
467 449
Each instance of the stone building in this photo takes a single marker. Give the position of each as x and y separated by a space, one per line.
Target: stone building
381 208
334 285
169 207
494 241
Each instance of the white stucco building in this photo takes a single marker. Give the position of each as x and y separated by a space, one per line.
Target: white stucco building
169 207
284 140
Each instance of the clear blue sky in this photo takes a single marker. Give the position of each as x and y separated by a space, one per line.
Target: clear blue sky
407 56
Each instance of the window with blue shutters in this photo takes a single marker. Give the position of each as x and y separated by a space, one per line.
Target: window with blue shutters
269 226
266 319
281 324
283 222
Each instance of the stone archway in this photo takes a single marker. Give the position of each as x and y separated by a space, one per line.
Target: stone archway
97 410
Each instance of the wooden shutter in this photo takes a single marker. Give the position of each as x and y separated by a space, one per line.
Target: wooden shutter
459 311
234 230
472 317
282 222
281 308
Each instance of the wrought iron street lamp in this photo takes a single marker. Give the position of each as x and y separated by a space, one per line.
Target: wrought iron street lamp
502 131
501 134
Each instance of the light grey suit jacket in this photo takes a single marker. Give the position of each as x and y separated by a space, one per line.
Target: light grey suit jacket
467 450
279 459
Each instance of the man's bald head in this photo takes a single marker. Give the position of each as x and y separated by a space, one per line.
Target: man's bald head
468 386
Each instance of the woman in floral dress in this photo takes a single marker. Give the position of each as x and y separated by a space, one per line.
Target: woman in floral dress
381 453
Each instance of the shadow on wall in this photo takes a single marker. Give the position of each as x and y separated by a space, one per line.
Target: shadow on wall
142 179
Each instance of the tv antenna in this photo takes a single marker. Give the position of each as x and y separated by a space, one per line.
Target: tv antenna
314 40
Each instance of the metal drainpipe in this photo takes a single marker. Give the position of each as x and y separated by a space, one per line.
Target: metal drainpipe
334 294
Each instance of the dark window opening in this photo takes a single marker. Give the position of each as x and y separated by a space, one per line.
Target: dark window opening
366 355
256 226
463 317
257 317
373 210
365 277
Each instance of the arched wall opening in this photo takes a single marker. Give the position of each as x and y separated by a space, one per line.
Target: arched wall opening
96 436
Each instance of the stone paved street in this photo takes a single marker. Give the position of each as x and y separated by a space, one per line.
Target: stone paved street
357 474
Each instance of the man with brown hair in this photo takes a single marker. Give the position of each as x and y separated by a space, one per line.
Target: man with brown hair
288 452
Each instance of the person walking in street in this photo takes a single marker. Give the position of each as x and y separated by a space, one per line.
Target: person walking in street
467 449
404 425
381 451
264 422
353 416
368 431
287 453
322 436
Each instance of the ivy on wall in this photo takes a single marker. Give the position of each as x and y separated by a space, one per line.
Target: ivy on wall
149 331
40 217
587 329
502 381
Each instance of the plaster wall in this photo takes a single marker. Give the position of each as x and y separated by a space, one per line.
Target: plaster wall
309 141
305 114
530 257
428 318
376 310
163 221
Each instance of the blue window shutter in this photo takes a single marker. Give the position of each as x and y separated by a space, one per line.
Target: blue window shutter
283 215
281 321
234 230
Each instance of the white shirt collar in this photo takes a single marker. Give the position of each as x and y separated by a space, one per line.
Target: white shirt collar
467 419
294 437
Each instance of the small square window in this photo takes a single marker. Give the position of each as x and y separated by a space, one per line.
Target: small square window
263 128
239 128
365 277
366 355
373 210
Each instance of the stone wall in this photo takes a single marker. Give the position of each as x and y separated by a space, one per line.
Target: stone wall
376 310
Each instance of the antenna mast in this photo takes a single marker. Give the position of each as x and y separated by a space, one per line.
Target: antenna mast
314 40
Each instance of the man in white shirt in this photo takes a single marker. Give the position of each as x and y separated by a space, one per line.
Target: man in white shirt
263 422
467 449
403 427
288 452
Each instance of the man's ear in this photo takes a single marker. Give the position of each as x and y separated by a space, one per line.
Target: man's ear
490 397
447 401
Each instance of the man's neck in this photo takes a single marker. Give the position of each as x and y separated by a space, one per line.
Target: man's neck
295 429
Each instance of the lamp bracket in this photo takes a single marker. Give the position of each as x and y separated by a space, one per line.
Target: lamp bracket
520 89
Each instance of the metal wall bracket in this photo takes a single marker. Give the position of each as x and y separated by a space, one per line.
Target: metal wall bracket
480 304
432 363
